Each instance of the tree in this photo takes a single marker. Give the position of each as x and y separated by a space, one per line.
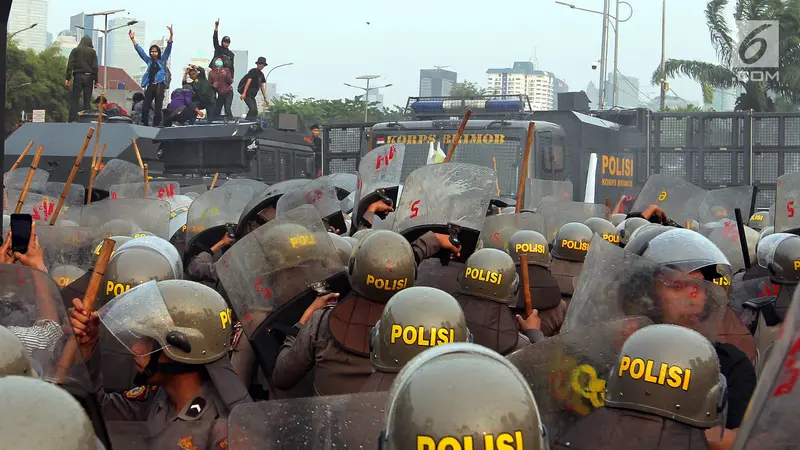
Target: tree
691 107
45 72
312 111
467 89
724 75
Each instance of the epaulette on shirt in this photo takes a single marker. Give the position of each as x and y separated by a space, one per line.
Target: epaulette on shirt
140 393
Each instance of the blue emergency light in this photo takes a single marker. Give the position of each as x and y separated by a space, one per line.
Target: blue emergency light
456 105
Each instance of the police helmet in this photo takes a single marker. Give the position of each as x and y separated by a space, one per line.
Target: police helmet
343 247
759 220
617 219
780 254
686 251
572 242
641 238
381 264
628 226
532 244
603 228
491 274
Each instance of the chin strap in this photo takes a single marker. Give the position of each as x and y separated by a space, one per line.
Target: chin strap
154 366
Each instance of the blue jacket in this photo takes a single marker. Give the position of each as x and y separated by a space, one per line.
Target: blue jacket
161 75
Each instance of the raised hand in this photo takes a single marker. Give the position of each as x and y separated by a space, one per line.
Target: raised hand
131 35
169 27
216 24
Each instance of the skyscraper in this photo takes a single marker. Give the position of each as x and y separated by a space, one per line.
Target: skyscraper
120 50
241 64
25 13
627 91
436 82
522 78
87 22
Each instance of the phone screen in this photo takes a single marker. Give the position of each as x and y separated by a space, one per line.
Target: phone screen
20 232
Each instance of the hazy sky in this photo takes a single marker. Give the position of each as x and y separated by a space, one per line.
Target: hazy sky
330 42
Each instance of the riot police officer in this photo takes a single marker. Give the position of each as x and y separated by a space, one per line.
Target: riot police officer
569 251
545 293
658 396
628 227
759 220
486 285
490 404
603 228
640 239
414 319
37 414
179 334
14 359
334 341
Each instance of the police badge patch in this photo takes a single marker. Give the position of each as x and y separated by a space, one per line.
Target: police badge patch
140 393
185 443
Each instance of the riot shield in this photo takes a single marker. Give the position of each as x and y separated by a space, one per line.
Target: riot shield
679 199
127 216
543 191
379 177
216 208
567 373
265 199
558 214
772 418
15 179
39 206
164 190
440 194
320 193
725 235
256 185
194 191
348 204
497 230
338 421
744 291
53 190
68 251
720 204
268 276
117 171
179 434
615 283
345 183
787 199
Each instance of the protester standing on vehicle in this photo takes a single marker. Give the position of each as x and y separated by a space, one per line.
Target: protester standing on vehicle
154 80
82 70
222 81
222 51
203 92
249 86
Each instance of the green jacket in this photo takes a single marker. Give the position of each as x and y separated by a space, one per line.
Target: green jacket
203 92
83 59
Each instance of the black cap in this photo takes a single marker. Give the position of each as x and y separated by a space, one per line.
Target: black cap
315 127
226 38
262 60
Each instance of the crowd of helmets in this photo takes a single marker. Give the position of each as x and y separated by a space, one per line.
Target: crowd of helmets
373 311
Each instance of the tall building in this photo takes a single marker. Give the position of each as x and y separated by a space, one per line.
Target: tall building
66 42
725 99
375 96
522 78
49 39
87 22
436 82
627 90
593 93
121 53
559 86
25 13
241 64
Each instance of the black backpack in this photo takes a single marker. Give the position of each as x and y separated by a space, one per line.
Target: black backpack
242 83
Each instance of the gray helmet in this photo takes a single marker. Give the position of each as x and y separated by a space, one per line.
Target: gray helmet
43 415
361 234
679 382
780 254
764 233
120 227
641 238
381 264
759 220
66 274
603 228
343 247
491 274
118 242
530 243
489 399
14 359
414 320
572 242
189 321
687 251
133 264
627 227
617 219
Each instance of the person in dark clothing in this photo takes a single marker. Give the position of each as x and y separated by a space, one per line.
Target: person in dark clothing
82 70
222 81
154 80
253 81
182 108
222 51
315 131
203 96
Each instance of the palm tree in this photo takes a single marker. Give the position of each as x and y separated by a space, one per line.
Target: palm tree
725 76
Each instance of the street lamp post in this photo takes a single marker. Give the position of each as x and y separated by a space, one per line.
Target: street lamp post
20 31
105 32
663 80
266 78
366 91
604 48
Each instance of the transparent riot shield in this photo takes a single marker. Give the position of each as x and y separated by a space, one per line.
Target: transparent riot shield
772 416
263 200
256 185
182 435
787 199
750 290
161 246
345 183
348 204
194 191
558 214
720 204
164 190
567 373
678 198
339 421
725 235
440 194
615 283
319 193
543 191
497 230
39 206
127 216
53 190
68 251
379 177
117 171
216 208
15 179
273 274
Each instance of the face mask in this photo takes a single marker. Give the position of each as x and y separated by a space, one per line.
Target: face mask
218 63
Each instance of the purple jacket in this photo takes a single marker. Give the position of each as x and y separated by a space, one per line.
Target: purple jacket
180 98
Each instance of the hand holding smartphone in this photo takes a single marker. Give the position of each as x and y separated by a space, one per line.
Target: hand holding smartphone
20 232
